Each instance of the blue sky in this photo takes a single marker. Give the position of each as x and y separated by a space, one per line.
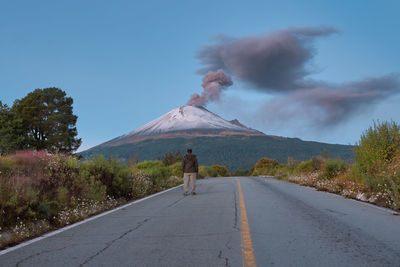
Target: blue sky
126 63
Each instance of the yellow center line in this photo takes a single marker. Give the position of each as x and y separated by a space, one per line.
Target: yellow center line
248 258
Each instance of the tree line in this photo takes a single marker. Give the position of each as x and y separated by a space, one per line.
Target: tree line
42 120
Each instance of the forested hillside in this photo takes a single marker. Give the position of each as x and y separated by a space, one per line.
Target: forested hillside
234 152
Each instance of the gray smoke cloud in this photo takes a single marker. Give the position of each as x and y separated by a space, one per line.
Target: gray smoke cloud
213 84
281 63
275 62
329 105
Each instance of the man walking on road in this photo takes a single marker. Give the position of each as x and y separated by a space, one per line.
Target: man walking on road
190 169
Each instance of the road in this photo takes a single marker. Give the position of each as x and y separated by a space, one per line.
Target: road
275 222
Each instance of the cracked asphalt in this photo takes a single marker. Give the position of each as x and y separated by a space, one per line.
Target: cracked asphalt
290 225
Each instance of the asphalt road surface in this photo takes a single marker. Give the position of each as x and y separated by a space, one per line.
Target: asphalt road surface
230 222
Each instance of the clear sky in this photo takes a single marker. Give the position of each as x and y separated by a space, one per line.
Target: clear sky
126 63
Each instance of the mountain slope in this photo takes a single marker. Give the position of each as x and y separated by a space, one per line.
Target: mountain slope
213 139
235 152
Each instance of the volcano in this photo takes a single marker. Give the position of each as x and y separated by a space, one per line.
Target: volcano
185 121
213 139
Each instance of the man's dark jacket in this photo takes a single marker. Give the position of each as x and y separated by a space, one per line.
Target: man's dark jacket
189 164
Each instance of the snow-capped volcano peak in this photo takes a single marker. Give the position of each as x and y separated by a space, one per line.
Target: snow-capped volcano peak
186 121
187 118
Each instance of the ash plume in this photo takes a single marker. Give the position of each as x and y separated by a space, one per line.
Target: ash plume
275 62
281 64
329 105
213 84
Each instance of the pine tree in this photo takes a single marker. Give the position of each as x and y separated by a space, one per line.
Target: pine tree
47 119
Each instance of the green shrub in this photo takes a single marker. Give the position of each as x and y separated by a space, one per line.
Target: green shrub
7 164
113 174
63 196
57 173
17 200
141 185
375 151
176 169
221 171
171 158
154 168
293 163
333 168
387 181
265 166
160 175
157 171
206 171
283 171
48 209
309 166
86 185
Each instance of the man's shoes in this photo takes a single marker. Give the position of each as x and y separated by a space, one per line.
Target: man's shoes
193 193
185 194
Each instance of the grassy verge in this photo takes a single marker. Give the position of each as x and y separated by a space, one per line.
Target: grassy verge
374 176
336 176
41 192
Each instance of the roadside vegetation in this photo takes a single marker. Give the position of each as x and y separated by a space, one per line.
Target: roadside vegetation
40 191
373 177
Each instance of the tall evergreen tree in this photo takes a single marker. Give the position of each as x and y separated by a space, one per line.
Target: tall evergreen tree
11 131
46 116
